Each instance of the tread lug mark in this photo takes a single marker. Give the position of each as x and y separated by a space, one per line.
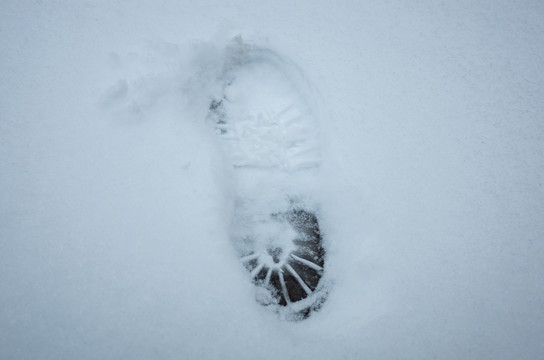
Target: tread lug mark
299 276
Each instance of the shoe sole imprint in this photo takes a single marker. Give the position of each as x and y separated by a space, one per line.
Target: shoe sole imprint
270 137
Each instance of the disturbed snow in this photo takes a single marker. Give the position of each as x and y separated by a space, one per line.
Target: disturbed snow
116 197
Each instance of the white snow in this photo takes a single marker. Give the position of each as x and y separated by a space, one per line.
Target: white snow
115 196
269 130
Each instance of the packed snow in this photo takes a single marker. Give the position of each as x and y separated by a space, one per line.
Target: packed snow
116 199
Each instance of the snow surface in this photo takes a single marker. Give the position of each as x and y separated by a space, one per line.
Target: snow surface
115 200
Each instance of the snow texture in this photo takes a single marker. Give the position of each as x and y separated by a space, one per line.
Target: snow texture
116 199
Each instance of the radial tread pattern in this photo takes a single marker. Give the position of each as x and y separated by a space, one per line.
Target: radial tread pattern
299 276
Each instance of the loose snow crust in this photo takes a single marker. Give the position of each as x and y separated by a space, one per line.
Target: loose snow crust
116 200
271 123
